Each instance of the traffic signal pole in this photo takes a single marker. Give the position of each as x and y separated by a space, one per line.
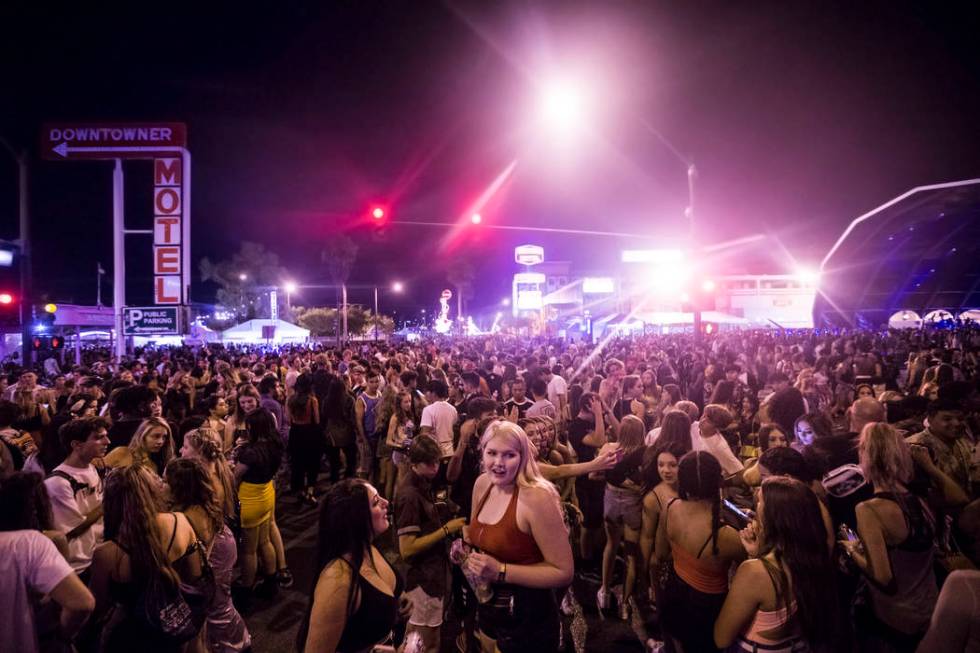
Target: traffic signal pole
118 258
26 280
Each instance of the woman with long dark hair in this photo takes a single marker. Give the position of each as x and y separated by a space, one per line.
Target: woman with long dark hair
354 602
785 597
192 492
338 419
145 551
305 440
703 550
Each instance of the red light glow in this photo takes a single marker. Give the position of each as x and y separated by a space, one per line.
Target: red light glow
377 213
6 298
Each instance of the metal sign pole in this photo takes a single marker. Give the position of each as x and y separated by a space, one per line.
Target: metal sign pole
118 257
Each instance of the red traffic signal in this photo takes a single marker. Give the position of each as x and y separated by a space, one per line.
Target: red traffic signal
57 342
37 342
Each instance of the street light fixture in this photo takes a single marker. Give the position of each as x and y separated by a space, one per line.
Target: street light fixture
396 286
242 277
290 287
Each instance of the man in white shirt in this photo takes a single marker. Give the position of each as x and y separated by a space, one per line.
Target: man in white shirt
541 406
439 417
75 489
30 566
557 390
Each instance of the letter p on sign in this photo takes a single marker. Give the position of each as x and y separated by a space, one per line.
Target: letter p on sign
134 316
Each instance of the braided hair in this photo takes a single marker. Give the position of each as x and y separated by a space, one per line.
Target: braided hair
699 479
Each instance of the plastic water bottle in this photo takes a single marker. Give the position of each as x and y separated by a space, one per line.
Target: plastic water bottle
458 553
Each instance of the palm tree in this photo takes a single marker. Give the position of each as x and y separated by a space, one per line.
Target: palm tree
461 274
339 254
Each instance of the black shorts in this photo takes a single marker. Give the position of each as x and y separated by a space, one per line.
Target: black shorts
528 623
591 497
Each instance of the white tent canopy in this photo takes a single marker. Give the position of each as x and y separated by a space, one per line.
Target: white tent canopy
259 331
972 314
905 320
937 316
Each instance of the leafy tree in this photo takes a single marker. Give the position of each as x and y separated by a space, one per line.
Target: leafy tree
323 321
320 321
245 279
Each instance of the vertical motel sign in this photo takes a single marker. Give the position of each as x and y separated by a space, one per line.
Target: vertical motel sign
165 144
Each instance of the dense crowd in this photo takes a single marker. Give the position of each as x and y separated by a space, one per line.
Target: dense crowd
776 491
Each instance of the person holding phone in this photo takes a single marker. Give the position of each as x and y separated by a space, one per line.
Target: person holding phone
703 549
785 596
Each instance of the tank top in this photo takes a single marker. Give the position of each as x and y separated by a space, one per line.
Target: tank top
766 621
705 576
374 618
370 419
908 609
504 540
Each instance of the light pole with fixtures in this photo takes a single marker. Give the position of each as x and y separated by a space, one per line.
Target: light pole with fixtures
397 287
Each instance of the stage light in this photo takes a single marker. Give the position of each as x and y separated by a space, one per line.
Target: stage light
6 298
708 285
397 286
563 106
290 287
476 218
50 308
808 276
377 213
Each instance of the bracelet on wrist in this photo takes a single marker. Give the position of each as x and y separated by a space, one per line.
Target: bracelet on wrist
502 574
446 531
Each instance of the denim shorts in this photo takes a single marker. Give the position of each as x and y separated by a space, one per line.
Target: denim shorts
621 506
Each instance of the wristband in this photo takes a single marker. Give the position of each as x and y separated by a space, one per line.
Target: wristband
502 575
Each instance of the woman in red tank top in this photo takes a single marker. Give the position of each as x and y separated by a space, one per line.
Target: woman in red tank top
521 545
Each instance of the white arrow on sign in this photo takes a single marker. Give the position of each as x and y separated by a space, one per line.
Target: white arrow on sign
63 149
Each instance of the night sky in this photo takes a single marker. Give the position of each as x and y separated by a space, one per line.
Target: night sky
799 116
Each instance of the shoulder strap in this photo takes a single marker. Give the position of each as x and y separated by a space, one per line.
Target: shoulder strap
486 495
76 485
174 533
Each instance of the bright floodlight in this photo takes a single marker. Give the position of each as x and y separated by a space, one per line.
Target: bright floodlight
378 213
291 287
397 286
242 276
708 285
563 106
476 218
6 298
808 276
505 301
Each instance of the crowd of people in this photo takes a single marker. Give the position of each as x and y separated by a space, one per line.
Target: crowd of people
749 491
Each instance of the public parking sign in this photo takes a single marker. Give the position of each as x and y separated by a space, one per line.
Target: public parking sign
151 321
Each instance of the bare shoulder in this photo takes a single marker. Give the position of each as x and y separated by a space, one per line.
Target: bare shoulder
482 482
537 498
337 571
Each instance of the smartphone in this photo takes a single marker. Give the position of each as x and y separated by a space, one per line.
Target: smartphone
734 516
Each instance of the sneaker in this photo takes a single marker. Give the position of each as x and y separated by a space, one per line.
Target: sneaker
602 599
624 610
284 577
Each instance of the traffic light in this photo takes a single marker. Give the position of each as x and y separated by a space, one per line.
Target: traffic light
9 309
38 342
46 317
57 343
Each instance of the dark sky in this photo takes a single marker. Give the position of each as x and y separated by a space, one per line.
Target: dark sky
799 115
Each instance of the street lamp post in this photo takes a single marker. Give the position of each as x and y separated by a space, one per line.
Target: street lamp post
26 290
395 287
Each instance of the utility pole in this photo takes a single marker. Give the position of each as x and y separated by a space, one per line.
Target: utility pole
24 244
